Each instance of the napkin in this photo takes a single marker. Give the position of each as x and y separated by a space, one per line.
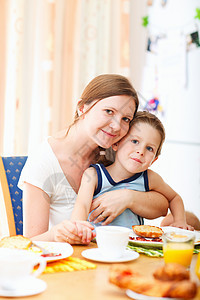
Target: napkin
154 252
69 264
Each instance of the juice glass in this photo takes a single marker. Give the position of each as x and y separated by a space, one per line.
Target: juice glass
197 267
178 248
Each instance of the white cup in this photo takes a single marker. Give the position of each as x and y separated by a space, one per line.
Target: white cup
17 265
112 240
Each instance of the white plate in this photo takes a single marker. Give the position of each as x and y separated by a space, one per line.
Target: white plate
137 296
150 243
64 249
29 286
147 244
94 254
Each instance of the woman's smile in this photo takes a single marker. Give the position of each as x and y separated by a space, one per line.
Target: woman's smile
108 133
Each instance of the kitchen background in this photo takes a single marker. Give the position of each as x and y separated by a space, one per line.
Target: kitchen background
50 49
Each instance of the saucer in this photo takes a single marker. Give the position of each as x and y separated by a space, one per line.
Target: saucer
94 254
28 287
133 295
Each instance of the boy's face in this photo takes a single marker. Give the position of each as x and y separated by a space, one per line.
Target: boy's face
137 150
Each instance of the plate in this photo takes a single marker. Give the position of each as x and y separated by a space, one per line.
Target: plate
29 286
149 243
146 244
137 296
64 249
94 254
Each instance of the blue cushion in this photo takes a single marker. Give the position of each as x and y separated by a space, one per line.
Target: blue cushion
13 166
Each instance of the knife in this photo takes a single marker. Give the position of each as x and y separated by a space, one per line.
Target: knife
45 252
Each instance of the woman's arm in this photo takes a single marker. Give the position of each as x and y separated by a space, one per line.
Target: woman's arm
148 205
36 205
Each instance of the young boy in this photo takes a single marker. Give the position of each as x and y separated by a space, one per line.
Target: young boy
135 153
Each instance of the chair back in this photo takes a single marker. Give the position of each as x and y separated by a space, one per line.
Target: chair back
12 193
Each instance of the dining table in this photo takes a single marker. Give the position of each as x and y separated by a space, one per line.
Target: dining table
94 283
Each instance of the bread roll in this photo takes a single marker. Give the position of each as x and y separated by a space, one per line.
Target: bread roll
16 241
147 231
126 278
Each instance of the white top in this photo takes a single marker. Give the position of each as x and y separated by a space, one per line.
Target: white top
43 170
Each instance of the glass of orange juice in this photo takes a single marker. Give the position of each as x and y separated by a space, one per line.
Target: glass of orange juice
197 267
178 248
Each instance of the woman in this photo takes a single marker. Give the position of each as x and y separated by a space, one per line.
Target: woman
52 176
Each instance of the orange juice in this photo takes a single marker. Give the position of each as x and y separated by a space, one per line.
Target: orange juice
178 248
197 267
178 253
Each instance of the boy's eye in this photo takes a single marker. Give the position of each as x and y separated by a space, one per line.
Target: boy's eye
150 149
127 120
134 141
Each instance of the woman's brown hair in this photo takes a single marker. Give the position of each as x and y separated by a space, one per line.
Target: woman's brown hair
104 86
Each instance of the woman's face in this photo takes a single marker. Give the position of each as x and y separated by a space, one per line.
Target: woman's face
108 120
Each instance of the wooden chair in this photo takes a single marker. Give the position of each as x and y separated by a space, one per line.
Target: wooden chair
11 195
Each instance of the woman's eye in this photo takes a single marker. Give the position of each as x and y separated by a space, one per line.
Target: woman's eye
127 120
150 149
109 111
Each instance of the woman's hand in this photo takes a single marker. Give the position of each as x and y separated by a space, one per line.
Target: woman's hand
108 206
73 232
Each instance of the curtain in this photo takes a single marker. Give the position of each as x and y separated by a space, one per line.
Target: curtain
50 50
3 31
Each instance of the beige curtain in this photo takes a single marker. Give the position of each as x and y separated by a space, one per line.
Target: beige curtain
3 31
50 50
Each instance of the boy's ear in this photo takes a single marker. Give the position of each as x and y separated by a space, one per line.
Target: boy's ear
154 160
115 146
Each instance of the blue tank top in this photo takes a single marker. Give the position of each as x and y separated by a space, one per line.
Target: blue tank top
137 182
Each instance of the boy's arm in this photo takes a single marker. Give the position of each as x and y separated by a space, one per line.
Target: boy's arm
85 195
176 205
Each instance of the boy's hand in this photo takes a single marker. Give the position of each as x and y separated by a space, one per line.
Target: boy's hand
85 232
182 224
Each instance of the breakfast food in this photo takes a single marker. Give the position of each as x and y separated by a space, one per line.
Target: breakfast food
172 271
142 239
124 277
16 241
147 231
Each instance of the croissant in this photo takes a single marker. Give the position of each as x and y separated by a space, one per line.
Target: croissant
172 271
125 278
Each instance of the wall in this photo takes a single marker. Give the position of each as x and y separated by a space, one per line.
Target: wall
175 74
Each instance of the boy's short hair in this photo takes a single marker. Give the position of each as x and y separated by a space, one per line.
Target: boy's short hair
152 120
